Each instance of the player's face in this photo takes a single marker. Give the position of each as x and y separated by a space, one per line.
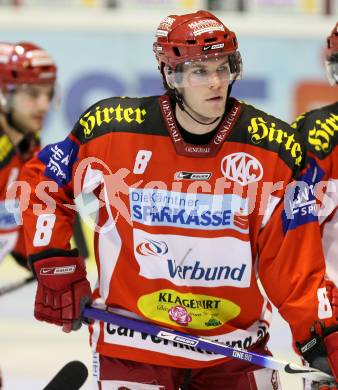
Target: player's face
30 104
204 86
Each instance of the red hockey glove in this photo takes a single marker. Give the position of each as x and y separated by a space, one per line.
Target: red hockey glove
332 294
63 289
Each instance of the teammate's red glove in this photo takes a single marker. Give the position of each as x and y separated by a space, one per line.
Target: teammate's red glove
321 351
63 289
332 294
331 344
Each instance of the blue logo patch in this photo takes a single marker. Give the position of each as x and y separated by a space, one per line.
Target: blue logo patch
300 203
59 159
155 207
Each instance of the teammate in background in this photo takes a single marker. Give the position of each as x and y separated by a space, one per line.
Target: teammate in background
318 129
190 188
27 79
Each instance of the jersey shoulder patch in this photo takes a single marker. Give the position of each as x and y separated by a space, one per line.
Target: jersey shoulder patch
257 128
120 114
319 128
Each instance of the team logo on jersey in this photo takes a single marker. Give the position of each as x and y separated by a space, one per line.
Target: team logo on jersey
193 175
152 247
242 168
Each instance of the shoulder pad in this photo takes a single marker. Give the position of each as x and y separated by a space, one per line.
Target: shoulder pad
319 129
260 129
118 114
6 150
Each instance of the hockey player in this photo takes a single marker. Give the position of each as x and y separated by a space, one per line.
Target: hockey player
189 188
318 128
27 79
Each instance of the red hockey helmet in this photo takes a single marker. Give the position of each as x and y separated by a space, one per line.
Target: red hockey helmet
186 37
25 63
332 56
6 50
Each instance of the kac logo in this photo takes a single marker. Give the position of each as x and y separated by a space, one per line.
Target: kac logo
242 168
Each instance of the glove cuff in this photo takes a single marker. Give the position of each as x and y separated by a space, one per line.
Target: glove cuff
317 345
57 273
331 343
52 252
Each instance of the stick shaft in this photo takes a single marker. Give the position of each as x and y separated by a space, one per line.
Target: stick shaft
206 345
16 285
79 238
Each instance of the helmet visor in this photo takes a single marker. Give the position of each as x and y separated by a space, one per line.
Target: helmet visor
220 68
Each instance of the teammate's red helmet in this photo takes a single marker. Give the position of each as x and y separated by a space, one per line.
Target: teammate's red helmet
25 63
186 37
6 50
332 56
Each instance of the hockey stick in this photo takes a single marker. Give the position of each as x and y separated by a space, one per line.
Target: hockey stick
79 238
205 344
15 285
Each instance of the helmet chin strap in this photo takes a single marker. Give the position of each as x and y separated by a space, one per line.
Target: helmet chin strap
181 104
179 99
201 123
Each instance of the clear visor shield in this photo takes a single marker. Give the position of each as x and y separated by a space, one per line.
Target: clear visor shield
45 95
206 70
332 70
